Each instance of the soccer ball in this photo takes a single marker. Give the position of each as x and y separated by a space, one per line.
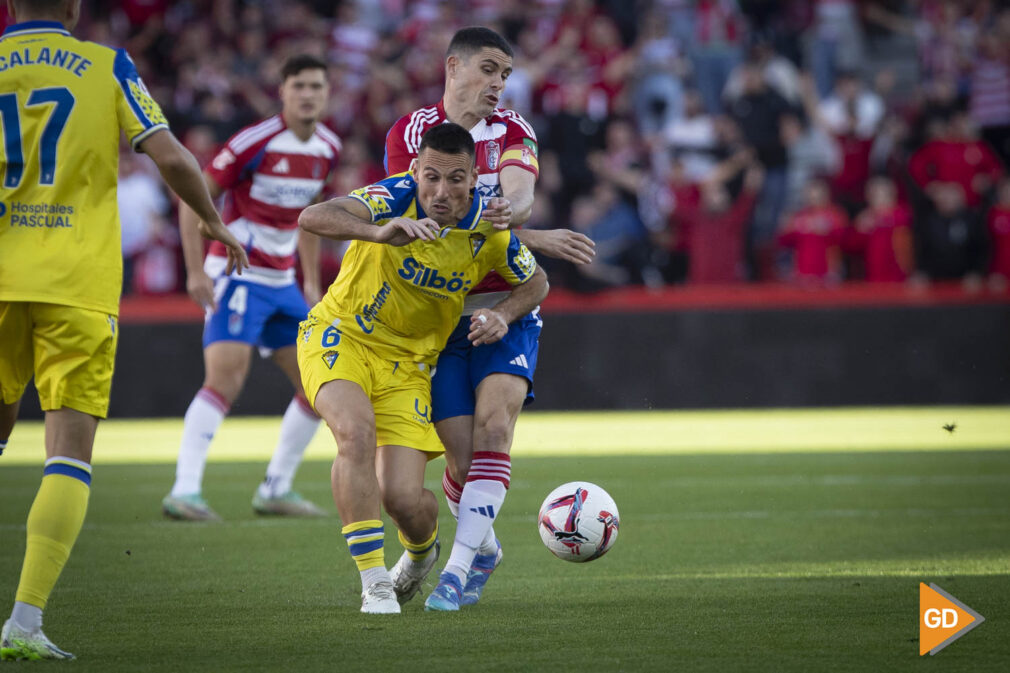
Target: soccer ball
578 522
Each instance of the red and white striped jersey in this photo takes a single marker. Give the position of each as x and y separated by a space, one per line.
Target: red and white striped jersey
502 139
271 176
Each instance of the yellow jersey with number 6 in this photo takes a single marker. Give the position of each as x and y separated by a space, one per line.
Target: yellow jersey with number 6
63 103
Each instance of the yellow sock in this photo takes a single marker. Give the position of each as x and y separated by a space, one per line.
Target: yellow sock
417 551
364 539
54 522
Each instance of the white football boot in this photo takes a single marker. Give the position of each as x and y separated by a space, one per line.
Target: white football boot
408 576
17 645
378 598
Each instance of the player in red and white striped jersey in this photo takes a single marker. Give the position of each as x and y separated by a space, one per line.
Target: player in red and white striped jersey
477 392
271 171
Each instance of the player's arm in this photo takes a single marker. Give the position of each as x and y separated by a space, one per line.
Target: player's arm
489 325
349 219
182 173
198 284
565 244
514 209
516 205
308 255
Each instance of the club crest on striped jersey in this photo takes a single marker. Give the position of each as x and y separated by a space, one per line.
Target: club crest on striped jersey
493 153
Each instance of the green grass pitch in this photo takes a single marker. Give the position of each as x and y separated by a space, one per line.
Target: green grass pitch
737 552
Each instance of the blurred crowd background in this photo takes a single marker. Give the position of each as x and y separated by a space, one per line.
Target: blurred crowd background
696 141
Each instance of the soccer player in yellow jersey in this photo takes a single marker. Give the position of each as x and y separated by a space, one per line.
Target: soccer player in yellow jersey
366 350
63 104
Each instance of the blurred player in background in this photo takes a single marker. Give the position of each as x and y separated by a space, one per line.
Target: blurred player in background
477 393
367 349
62 106
272 170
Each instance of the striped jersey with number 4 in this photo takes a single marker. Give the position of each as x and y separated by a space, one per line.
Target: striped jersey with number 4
63 103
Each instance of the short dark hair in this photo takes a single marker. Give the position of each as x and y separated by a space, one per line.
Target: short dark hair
296 64
468 41
448 138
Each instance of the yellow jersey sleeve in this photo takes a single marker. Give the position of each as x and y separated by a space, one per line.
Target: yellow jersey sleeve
388 198
511 258
139 115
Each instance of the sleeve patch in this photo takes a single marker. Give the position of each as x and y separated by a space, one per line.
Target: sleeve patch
378 199
146 103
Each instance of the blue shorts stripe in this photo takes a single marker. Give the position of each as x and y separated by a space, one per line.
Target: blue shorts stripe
364 547
68 471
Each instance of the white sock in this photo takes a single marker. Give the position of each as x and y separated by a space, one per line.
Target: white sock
482 498
373 575
26 617
202 420
297 429
452 490
489 545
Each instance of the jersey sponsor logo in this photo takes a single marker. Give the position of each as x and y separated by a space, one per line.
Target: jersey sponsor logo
39 215
3 209
223 160
493 153
371 310
420 275
282 166
487 191
422 417
476 243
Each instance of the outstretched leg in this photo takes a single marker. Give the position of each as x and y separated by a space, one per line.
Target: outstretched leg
298 427
499 400
227 365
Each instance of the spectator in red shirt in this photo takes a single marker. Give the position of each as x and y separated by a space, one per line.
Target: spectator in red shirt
959 157
882 234
715 231
998 222
815 233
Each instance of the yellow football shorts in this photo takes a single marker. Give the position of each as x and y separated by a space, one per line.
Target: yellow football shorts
70 351
400 392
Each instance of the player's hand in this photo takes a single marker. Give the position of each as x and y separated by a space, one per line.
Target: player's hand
201 290
312 293
568 245
498 211
486 327
237 258
402 230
